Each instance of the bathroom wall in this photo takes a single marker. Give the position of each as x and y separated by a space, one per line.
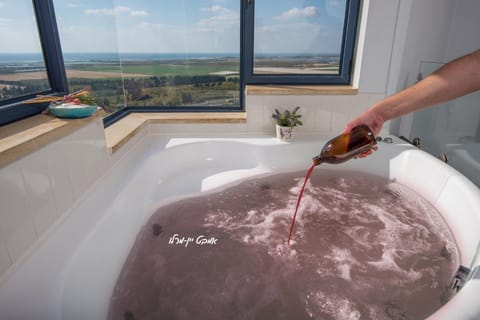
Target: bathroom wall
38 189
429 31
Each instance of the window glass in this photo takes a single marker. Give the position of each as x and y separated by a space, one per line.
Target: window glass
180 53
298 37
90 49
22 67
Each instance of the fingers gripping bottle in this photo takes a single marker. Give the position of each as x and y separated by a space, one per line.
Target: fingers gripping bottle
346 146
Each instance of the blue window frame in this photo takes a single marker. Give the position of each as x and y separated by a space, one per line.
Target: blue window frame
12 109
268 60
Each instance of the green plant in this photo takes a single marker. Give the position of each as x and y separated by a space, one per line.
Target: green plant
287 118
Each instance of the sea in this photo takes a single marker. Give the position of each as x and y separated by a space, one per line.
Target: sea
73 57
112 56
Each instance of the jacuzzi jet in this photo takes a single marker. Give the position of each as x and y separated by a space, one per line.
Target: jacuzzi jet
458 281
156 229
129 315
265 187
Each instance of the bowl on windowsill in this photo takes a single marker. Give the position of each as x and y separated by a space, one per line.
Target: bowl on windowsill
72 110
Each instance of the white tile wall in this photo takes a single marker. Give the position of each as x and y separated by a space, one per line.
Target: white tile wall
327 113
36 190
5 261
17 227
57 155
84 161
40 201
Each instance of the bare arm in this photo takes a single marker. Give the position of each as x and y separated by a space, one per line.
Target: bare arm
455 79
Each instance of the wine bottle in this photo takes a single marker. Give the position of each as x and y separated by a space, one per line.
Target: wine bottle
346 146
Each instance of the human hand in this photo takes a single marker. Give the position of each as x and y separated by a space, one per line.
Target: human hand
370 118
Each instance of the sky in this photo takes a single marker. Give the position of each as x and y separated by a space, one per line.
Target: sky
281 26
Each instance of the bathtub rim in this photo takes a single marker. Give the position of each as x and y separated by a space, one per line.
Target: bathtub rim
144 145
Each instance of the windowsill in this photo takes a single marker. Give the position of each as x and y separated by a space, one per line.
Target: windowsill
25 136
124 129
299 90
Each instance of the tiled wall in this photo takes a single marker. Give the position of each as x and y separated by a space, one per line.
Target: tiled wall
325 114
36 190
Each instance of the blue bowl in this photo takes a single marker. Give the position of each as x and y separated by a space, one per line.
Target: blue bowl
72 111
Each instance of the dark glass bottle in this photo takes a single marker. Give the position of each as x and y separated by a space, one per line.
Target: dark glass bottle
346 146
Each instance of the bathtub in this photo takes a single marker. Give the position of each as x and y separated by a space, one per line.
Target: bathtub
71 275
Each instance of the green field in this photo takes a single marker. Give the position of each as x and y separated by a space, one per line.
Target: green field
212 82
163 69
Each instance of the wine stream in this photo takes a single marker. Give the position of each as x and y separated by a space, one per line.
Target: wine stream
292 225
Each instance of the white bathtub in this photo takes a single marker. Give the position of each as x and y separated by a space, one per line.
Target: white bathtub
73 273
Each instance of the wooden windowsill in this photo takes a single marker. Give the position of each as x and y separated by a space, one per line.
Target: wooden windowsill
124 129
25 136
299 90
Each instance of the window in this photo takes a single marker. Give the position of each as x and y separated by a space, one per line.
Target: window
154 55
88 35
26 67
299 42
183 55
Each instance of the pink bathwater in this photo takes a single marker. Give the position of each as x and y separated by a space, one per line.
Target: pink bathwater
364 248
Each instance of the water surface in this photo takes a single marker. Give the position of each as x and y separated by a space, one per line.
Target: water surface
363 248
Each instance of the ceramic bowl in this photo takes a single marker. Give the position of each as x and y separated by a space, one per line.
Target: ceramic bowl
70 111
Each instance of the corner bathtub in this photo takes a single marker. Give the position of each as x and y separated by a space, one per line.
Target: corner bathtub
71 275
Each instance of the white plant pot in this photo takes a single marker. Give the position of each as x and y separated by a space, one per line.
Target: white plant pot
284 133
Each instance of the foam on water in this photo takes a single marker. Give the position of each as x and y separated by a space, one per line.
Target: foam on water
363 248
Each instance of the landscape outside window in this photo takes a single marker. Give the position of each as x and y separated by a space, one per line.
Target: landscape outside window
298 37
172 53
88 38
22 67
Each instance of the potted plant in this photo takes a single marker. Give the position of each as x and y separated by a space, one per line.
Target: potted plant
286 122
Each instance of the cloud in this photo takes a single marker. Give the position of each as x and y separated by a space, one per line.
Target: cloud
116 11
73 5
138 13
298 13
292 28
2 4
214 8
335 3
5 21
97 12
222 18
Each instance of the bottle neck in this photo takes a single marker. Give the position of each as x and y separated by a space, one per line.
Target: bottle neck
317 160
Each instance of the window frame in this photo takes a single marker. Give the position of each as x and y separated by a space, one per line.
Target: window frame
12 109
352 11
